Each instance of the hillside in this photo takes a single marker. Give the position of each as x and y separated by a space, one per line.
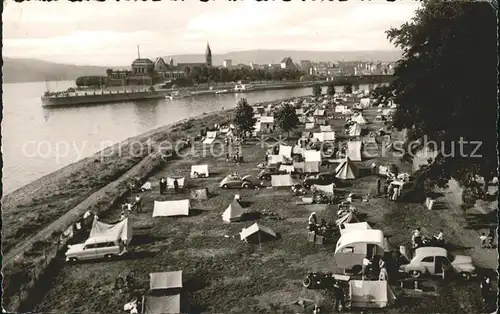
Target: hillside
31 70
275 56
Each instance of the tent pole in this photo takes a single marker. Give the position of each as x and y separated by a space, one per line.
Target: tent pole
260 242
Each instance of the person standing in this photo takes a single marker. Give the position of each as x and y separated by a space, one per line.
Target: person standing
339 296
379 184
162 185
138 203
374 168
176 185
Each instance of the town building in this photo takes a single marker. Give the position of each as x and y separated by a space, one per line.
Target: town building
228 63
287 63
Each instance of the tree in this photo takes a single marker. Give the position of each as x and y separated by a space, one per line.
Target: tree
286 117
244 119
348 89
446 89
330 90
316 90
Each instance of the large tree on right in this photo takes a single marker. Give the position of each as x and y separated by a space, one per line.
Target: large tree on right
446 89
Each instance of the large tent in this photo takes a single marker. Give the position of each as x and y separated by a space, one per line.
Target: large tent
169 304
307 166
233 212
171 208
256 232
285 151
281 180
200 170
346 170
200 194
354 150
210 138
165 280
312 155
370 294
170 182
275 159
121 230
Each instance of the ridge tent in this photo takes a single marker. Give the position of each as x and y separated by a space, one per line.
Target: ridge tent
312 155
200 194
325 128
285 151
347 218
309 125
281 180
324 188
325 136
122 230
348 227
171 208
165 280
256 232
200 170
169 304
370 294
210 138
346 170
233 212
170 182
275 159
355 130
354 150
307 166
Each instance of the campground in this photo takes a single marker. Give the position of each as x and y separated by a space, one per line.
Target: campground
222 274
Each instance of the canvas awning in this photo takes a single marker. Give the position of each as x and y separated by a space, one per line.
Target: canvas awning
202 170
169 304
121 230
170 182
233 212
165 280
171 208
281 180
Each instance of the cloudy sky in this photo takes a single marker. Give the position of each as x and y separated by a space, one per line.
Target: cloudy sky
107 33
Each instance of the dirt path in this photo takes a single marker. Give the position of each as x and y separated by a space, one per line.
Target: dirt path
76 212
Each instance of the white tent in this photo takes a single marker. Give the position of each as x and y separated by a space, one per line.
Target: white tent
233 212
285 151
201 170
171 208
324 188
355 130
309 125
354 150
255 232
146 186
287 168
347 227
340 108
170 182
121 230
274 159
370 294
169 304
297 150
210 137
325 128
312 155
165 280
281 180
299 111
346 170
308 166
324 136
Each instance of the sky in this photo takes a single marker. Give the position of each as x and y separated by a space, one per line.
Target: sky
107 33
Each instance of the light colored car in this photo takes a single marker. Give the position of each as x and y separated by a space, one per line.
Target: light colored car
236 182
95 248
437 261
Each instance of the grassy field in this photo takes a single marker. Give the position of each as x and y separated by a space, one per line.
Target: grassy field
222 274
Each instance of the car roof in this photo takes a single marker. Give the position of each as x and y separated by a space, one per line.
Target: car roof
430 251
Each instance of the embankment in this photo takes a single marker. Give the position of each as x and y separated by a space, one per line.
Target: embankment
35 215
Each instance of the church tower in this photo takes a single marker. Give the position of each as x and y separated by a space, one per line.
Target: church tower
208 56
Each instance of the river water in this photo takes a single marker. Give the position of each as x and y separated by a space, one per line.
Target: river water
37 141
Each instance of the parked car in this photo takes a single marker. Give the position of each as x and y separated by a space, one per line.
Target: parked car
266 173
96 248
325 178
235 182
437 261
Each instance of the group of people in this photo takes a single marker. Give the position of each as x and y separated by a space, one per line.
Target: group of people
375 267
487 241
322 228
417 238
163 184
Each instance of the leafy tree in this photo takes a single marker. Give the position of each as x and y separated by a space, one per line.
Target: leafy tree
446 89
330 90
348 89
286 117
244 119
316 90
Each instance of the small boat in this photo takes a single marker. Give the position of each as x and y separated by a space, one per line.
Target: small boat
222 91
175 95
242 88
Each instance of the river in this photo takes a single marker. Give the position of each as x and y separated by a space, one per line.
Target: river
37 141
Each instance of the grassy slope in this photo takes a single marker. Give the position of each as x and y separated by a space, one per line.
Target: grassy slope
226 275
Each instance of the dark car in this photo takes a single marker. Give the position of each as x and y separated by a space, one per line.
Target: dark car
266 173
325 178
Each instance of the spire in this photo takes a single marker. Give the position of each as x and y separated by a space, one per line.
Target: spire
138 52
208 55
